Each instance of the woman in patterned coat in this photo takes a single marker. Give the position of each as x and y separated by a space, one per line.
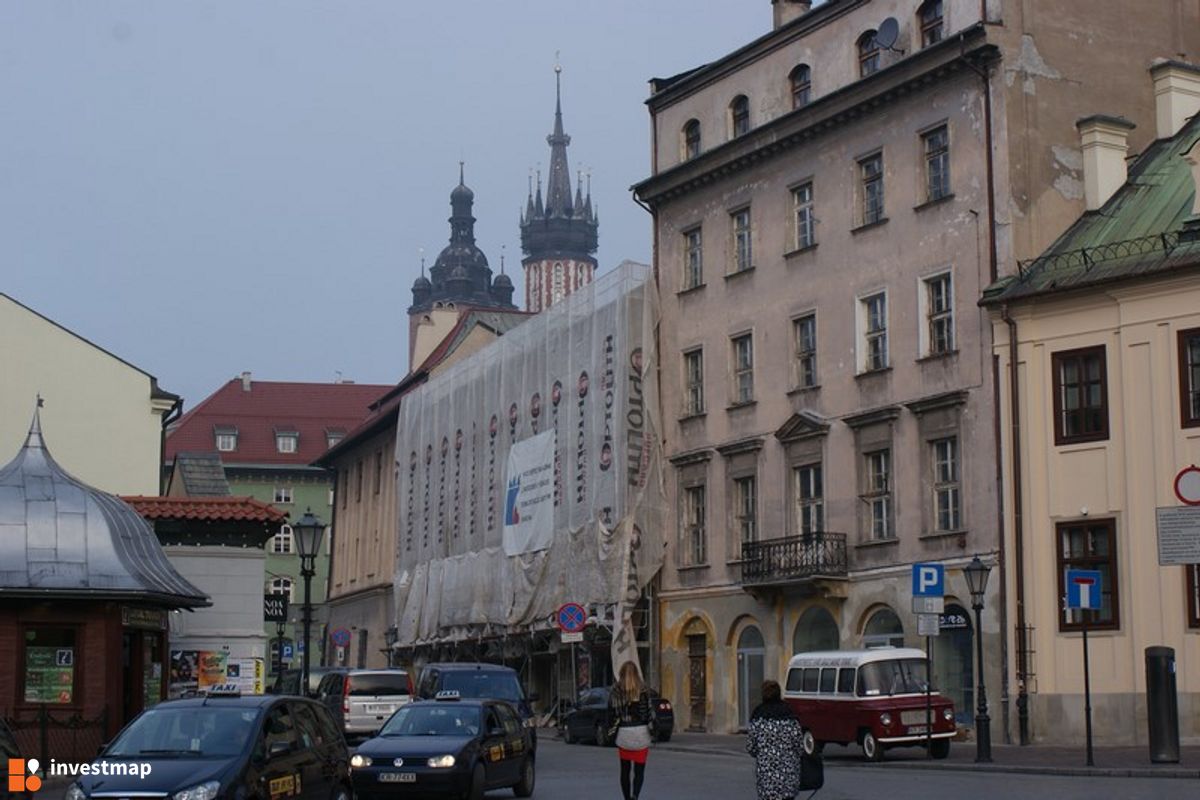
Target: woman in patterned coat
774 740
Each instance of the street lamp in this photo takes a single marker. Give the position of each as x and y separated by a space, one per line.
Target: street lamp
308 531
977 578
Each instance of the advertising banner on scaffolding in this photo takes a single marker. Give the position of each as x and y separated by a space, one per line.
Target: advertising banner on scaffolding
529 472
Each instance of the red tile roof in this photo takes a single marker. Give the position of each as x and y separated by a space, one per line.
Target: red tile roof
206 509
311 409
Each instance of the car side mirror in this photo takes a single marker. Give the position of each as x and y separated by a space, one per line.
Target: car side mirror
278 749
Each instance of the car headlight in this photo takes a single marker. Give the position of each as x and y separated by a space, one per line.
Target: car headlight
441 762
947 713
75 792
359 761
885 719
205 791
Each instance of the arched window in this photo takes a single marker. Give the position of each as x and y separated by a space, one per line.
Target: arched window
868 54
751 668
883 629
558 289
739 115
691 139
281 586
282 541
801 78
816 630
933 23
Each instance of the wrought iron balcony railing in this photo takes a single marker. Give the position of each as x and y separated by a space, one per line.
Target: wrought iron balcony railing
793 559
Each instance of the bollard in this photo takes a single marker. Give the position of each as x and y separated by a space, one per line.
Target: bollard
1162 706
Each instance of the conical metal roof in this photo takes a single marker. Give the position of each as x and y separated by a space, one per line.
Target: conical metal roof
62 538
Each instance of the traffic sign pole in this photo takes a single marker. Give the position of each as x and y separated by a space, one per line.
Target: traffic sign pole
929 697
1087 689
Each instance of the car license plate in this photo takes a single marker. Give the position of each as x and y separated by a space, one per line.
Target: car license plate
917 729
397 777
380 709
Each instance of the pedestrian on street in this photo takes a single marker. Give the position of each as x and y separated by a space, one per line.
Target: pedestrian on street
630 703
775 740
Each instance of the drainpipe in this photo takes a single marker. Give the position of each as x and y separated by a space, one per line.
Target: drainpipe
170 417
1018 524
998 438
333 527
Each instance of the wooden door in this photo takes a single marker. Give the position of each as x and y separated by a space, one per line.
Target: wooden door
697 680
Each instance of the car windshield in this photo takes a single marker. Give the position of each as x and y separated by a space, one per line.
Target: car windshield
192 732
433 720
496 685
899 676
377 683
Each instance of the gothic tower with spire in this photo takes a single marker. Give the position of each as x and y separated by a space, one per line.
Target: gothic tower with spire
559 233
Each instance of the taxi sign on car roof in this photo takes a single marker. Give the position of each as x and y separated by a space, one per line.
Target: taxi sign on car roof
224 690
448 694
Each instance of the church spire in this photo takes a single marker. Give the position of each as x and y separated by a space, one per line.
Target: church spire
558 186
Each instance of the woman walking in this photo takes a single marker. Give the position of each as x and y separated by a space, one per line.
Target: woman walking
631 711
774 740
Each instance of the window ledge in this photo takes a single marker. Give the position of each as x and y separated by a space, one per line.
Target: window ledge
745 404
871 373
937 356
935 535
740 272
1107 629
691 567
868 225
878 542
799 251
797 391
691 289
1088 442
946 198
690 417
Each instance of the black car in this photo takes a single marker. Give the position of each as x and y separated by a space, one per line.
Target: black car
479 680
591 719
288 681
222 746
452 746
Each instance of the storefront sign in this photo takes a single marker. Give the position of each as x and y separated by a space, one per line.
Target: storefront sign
49 674
953 620
275 608
151 619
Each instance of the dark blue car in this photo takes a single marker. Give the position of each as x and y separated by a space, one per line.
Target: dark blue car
479 680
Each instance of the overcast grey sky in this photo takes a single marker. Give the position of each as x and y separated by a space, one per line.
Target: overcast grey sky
207 187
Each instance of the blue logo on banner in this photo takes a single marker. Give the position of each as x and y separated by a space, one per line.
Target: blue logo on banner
511 515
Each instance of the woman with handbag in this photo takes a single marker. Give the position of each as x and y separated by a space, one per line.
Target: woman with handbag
774 739
630 705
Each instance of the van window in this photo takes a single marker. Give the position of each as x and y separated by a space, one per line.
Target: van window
846 680
480 683
378 683
812 677
828 680
900 676
793 680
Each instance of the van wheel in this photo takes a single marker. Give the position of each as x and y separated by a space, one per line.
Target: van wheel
940 748
525 787
872 749
810 743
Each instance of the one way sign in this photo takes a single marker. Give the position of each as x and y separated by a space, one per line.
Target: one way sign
1083 588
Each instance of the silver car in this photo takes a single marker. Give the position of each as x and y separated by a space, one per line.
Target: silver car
361 700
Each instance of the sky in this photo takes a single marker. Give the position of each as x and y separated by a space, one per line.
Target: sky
204 187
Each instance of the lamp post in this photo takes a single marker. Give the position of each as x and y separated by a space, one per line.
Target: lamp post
308 531
977 578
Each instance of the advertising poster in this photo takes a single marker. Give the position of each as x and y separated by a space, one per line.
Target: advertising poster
529 499
246 674
49 674
184 672
212 668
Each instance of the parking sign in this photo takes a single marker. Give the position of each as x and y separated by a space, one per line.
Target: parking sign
928 580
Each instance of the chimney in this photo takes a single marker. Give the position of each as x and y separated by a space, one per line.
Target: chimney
785 11
1176 95
1105 141
245 381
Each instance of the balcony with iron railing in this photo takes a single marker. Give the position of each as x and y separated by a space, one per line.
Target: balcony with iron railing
794 559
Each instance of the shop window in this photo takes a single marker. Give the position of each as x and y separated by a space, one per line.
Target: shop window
49 670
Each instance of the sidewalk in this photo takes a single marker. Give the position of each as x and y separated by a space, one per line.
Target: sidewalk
1120 762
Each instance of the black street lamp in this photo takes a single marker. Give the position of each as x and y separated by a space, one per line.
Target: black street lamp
977 578
308 531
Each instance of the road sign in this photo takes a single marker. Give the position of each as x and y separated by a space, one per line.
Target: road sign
1178 535
928 625
1187 485
568 638
571 618
288 651
1083 588
340 637
275 607
929 605
928 580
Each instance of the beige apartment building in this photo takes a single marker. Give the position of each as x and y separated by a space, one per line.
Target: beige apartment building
829 201
1106 388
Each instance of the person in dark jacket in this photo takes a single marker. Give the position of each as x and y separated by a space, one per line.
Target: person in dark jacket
630 703
775 740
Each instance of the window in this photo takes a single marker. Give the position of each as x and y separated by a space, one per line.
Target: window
281 586
1192 573
745 507
1189 377
870 174
691 139
333 437
936 144
810 501
939 314
557 283
695 549
743 369
281 542
1091 545
49 665
804 330
1080 396
946 503
378 471
868 54
801 78
226 440
932 22
693 259
878 496
283 494
742 256
286 442
875 339
883 629
805 233
693 371
739 116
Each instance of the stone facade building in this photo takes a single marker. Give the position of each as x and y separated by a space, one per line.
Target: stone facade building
829 201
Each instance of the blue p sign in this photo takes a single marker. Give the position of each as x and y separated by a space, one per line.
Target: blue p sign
928 580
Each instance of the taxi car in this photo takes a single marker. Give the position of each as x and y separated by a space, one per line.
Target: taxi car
452 746
223 745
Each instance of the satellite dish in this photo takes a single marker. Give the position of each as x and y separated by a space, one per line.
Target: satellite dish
889 32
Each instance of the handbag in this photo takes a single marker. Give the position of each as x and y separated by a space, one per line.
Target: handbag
812 772
633 737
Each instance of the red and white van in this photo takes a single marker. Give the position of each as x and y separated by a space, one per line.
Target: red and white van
875 698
